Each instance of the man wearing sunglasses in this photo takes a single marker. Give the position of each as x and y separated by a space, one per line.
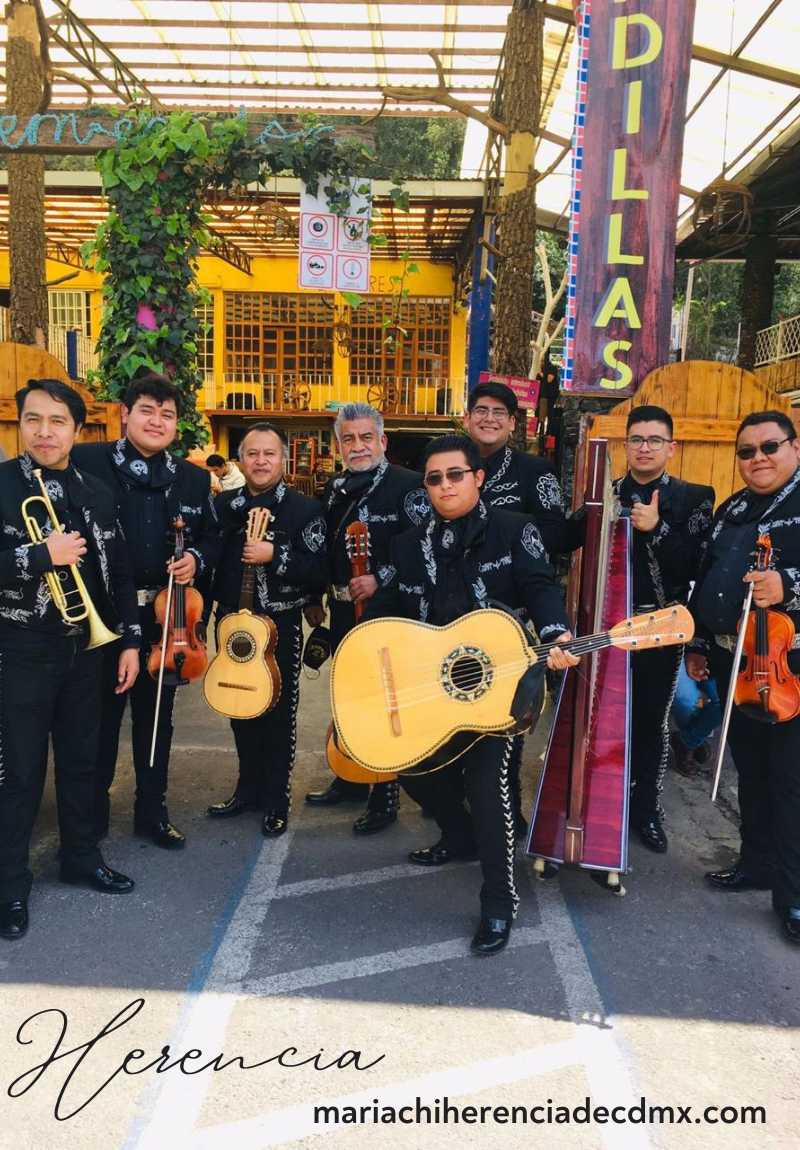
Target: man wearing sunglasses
464 557
670 520
767 756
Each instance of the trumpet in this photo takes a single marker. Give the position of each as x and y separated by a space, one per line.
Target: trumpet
99 634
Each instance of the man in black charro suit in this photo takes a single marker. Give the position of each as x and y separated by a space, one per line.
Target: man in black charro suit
50 683
388 499
151 487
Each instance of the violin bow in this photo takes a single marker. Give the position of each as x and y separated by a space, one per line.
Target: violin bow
726 718
161 669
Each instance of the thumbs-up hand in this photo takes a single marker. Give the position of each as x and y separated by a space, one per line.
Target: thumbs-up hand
644 516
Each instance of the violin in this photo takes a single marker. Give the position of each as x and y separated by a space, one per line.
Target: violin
184 651
766 689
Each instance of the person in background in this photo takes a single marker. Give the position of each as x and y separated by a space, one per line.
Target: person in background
696 714
226 474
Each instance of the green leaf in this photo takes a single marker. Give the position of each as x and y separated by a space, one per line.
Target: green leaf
353 299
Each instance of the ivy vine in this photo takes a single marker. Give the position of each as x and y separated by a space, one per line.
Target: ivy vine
156 179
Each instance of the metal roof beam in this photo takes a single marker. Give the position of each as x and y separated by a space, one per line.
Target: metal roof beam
83 45
748 67
225 249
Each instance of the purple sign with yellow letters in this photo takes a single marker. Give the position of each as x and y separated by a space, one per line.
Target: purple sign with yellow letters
633 72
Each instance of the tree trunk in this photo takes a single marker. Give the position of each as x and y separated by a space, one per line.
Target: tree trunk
513 327
25 71
758 291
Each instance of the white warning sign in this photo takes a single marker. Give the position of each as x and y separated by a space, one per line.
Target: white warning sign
318 230
352 273
334 250
316 269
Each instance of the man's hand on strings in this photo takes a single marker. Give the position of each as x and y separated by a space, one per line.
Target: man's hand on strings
183 570
558 660
767 587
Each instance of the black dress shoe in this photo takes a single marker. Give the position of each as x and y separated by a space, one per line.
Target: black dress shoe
373 821
13 918
440 853
339 791
651 833
230 808
491 936
104 879
273 824
162 833
736 878
791 924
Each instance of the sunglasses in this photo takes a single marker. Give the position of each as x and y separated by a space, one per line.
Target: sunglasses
770 447
453 474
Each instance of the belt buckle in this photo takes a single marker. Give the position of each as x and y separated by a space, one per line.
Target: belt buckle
145 596
341 594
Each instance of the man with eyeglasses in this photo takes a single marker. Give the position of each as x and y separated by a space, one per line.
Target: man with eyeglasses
388 499
514 479
767 757
670 520
468 556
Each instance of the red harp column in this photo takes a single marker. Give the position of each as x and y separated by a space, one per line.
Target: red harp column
580 813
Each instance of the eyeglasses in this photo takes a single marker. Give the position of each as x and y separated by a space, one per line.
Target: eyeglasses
769 447
453 474
654 442
495 412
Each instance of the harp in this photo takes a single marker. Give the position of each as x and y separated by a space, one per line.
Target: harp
580 813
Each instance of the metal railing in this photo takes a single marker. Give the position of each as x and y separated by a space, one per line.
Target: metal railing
288 392
780 341
87 359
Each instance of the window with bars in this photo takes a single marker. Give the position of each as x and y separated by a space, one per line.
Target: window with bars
421 354
283 336
205 340
71 310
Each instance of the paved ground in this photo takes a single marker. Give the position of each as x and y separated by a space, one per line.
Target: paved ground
321 940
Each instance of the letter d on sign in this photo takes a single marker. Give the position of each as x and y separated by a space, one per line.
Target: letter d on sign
619 52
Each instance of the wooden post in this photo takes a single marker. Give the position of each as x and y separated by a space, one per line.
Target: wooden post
513 325
26 87
758 290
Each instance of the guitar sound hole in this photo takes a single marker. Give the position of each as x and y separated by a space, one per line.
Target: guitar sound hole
466 673
240 647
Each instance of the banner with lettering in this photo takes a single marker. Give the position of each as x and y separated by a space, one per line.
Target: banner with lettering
633 73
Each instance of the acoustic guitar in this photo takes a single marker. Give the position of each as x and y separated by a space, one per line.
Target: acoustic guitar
356 543
243 681
402 691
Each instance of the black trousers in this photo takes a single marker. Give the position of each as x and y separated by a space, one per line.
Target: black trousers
266 744
767 760
482 775
151 784
654 676
381 797
49 686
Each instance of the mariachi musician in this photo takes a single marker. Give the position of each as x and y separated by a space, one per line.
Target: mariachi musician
670 520
388 499
152 488
467 556
51 658
289 566
518 482
766 755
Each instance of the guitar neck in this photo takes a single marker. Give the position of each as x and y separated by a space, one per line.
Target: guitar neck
248 585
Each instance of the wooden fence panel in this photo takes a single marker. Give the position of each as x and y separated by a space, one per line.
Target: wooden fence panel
18 364
707 401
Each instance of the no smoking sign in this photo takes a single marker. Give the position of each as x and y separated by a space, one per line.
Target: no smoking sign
352 273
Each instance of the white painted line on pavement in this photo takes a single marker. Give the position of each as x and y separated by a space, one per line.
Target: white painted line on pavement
279 1127
385 961
356 878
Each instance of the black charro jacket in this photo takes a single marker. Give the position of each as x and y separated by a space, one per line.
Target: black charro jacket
506 565
297 570
189 495
394 501
718 596
522 482
24 597
665 561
